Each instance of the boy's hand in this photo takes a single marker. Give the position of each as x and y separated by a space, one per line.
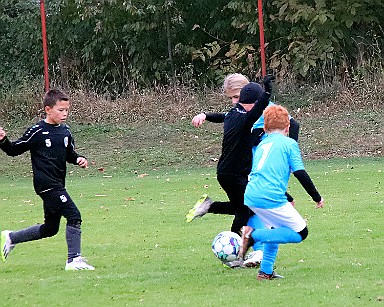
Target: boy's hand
82 162
267 81
320 204
198 120
2 134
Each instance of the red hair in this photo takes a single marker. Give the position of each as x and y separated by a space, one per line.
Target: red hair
275 118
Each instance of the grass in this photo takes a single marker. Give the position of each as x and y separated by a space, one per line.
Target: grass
145 254
145 175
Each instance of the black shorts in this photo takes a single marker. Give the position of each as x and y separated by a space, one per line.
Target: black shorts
58 203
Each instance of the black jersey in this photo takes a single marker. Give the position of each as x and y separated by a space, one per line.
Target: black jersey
236 156
51 146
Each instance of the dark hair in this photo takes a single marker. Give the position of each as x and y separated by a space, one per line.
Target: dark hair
250 93
52 97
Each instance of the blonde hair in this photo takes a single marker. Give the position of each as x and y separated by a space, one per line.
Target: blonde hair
234 83
275 118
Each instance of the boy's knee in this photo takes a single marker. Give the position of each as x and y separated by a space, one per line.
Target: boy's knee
303 233
48 231
74 223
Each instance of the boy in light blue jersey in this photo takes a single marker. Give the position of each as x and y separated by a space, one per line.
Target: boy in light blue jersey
273 161
254 258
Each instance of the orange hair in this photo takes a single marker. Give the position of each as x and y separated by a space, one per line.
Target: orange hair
275 118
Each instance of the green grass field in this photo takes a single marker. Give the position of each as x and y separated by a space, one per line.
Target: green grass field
145 254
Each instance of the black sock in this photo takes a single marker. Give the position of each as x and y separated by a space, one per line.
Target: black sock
73 237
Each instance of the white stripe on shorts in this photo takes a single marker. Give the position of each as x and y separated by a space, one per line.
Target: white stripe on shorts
284 216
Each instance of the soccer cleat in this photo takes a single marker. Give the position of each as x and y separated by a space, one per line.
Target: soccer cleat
6 244
78 264
246 232
261 276
238 263
254 259
201 208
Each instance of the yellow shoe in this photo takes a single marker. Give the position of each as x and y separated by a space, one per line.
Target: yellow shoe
200 208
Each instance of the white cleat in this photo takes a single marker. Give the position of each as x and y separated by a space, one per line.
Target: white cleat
78 264
235 264
6 244
254 259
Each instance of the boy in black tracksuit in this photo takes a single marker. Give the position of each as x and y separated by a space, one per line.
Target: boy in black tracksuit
236 159
51 146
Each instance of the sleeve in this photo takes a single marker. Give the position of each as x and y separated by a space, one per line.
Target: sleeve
215 117
18 147
72 155
307 184
257 135
294 129
257 110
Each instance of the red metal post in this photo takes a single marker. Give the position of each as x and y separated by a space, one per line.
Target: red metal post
261 30
45 48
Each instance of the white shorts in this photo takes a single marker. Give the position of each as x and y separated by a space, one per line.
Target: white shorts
284 216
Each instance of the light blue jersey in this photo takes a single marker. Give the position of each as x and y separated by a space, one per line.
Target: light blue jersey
273 161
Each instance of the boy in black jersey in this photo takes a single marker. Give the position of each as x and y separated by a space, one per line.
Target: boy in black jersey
51 145
236 158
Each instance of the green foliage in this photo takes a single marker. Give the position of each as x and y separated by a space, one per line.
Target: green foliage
320 37
20 55
109 45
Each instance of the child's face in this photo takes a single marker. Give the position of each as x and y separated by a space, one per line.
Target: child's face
233 95
58 113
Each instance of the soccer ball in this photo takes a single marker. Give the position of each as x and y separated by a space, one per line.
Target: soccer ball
226 245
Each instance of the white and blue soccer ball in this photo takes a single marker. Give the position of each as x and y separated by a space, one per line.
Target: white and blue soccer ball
226 246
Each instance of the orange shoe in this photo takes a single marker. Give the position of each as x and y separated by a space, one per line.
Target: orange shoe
261 276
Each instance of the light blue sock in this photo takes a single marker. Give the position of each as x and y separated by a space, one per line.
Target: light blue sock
269 257
255 222
282 235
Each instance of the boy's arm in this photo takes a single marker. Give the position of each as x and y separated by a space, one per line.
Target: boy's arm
72 156
294 128
215 117
13 148
261 104
199 119
308 185
3 134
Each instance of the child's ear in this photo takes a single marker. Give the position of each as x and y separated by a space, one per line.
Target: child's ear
286 130
47 109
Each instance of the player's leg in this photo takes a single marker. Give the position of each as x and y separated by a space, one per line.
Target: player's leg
36 232
205 205
73 234
235 191
282 235
286 223
269 256
253 259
